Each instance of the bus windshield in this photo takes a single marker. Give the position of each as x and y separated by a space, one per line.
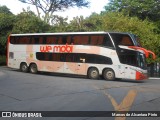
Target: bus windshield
142 61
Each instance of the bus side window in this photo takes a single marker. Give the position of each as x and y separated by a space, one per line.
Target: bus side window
41 40
94 40
26 40
107 41
69 40
84 40
80 58
62 57
64 39
56 57
69 58
32 40
76 40
126 41
100 40
21 40
46 57
60 40
91 58
51 40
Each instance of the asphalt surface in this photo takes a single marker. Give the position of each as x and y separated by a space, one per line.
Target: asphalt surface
50 92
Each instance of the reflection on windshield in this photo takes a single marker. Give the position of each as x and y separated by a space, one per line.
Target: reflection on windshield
142 61
136 40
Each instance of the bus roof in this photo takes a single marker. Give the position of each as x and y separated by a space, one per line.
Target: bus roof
66 33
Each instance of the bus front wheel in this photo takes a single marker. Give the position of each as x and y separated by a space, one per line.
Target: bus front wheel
33 68
93 73
24 67
109 74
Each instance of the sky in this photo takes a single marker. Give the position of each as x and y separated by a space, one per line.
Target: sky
97 6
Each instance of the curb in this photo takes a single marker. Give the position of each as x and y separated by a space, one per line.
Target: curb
154 78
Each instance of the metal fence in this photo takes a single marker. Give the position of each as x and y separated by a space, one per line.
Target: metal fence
154 70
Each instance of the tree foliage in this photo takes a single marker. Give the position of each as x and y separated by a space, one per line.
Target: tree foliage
27 22
48 7
117 21
140 8
6 24
5 10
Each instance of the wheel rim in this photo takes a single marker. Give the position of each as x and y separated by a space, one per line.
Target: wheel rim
24 67
33 68
94 74
109 75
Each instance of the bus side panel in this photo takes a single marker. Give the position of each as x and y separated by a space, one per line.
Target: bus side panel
7 53
16 55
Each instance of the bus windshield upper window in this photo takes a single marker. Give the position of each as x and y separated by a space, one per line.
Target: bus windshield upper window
121 39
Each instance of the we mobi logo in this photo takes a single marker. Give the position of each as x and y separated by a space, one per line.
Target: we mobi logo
57 48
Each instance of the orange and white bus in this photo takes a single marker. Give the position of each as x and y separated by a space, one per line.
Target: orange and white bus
108 54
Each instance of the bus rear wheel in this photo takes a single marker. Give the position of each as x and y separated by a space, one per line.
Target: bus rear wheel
24 67
93 73
109 74
33 68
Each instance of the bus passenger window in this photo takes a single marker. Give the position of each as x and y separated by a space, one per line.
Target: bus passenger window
69 38
26 40
97 40
60 40
49 40
46 57
76 40
69 58
107 41
84 40
32 40
80 40
41 40
100 40
94 40
126 41
64 39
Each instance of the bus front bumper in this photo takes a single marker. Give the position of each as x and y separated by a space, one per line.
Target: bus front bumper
141 76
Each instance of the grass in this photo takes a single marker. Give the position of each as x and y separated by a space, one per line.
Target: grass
2 60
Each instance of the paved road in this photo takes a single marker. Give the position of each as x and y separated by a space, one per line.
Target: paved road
47 92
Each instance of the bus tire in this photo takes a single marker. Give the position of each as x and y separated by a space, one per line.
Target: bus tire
33 68
93 73
109 74
24 67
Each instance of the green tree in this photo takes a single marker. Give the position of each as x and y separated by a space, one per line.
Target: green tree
144 29
6 24
117 21
59 24
4 9
48 7
28 22
140 8
77 24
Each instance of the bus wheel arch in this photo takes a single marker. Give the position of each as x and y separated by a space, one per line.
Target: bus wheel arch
93 73
108 74
23 67
33 68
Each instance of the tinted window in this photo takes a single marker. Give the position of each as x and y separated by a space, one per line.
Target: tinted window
51 40
98 59
97 40
26 40
128 57
107 41
80 40
121 39
74 57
